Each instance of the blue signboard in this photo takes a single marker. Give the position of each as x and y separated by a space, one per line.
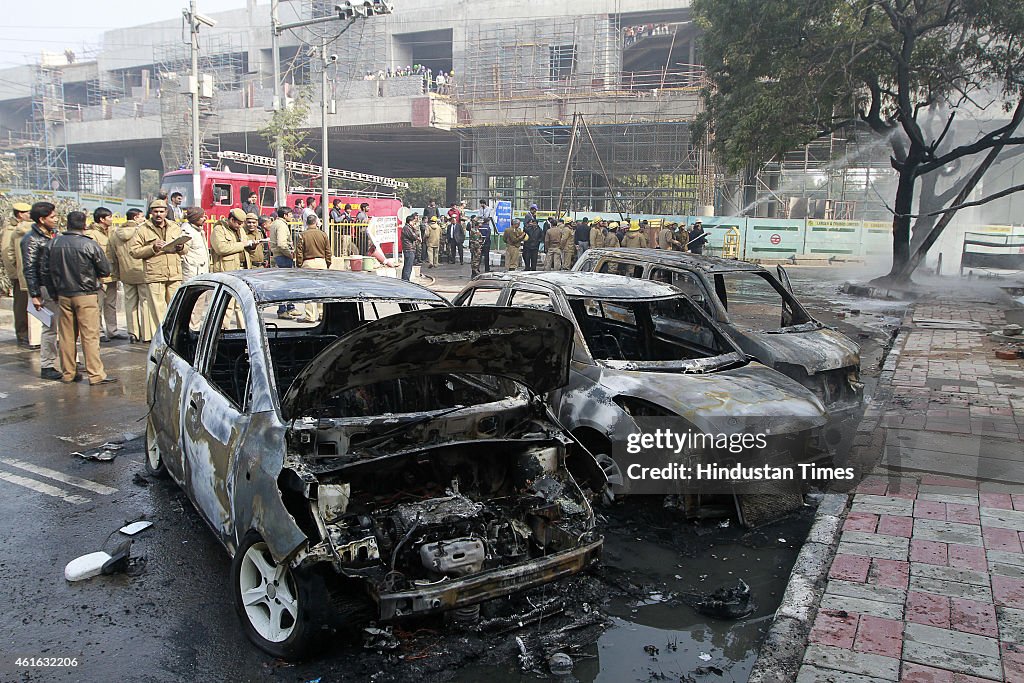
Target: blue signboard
503 216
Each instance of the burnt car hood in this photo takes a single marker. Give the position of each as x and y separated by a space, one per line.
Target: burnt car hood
529 346
817 350
747 398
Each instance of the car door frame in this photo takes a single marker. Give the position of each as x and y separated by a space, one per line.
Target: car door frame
171 445
212 426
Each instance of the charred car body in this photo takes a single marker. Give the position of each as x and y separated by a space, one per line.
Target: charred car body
760 313
387 460
644 350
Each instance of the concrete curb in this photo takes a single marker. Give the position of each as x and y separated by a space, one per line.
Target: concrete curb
782 651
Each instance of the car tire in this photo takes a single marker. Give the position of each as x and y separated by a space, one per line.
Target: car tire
282 609
154 461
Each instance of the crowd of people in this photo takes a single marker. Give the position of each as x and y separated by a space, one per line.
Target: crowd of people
65 285
439 81
432 237
632 34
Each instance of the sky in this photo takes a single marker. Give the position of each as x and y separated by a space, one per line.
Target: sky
56 25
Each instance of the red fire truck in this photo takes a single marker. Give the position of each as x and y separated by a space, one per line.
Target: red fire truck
223 190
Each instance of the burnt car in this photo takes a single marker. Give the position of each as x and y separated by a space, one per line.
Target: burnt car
759 311
644 350
388 457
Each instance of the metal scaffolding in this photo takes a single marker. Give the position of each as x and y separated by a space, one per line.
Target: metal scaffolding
219 58
49 153
529 86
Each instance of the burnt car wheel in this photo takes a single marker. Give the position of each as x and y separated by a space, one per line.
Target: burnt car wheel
154 462
278 606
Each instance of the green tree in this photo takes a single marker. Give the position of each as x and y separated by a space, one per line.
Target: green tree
291 126
150 184
422 190
785 72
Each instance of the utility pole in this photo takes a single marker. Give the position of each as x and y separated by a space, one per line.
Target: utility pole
279 105
324 61
193 84
346 10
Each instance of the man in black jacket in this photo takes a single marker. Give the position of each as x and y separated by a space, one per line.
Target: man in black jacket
534 237
75 265
34 245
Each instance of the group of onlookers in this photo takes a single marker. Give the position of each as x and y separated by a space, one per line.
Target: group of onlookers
66 284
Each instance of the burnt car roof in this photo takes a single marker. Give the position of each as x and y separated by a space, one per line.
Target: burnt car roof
602 285
302 284
709 264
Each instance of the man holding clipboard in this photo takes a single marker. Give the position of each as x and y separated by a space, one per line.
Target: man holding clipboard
159 243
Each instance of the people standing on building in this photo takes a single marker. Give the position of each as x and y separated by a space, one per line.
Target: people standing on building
476 243
313 251
33 248
410 238
10 254
515 237
195 260
176 213
76 265
130 271
161 261
698 238
531 247
553 246
455 235
100 230
433 241
582 236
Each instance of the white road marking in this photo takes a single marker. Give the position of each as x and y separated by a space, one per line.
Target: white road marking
43 488
60 476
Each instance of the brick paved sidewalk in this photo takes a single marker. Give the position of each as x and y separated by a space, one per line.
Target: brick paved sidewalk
927 585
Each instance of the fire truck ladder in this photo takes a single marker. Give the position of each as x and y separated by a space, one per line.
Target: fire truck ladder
312 169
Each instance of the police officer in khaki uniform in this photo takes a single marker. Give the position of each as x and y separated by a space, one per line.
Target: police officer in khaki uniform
161 262
231 247
10 254
596 234
99 231
568 245
553 246
132 274
313 252
433 241
665 237
515 237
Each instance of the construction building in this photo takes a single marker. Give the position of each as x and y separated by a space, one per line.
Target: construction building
582 105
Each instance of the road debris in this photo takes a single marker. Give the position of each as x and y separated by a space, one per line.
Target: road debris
135 527
101 456
724 603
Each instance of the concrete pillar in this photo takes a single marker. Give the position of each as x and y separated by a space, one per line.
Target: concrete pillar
480 189
132 178
451 189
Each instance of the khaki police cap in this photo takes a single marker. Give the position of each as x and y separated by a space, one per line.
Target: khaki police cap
158 204
237 214
21 206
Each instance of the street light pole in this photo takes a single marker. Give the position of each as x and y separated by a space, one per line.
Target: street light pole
279 105
323 126
197 199
348 11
